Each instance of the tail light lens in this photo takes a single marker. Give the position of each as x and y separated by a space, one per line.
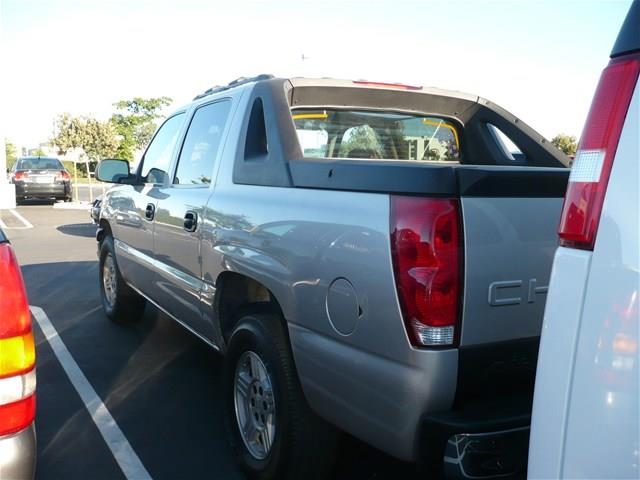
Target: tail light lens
427 260
13 415
17 349
20 175
594 159
63 175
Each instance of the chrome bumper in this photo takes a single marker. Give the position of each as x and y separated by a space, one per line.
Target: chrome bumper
487 455
18 454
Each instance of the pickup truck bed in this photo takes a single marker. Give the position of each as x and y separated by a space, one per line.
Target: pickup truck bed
412 290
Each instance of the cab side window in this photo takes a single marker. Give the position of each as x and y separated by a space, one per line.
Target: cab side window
201 144
157 158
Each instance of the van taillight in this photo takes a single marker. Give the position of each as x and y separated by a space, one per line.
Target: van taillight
426 248
594 159
17 349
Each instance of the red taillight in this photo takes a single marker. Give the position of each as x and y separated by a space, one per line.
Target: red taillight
427 259
14 307
399 86
594 159
17 350
63 175
20 175
17 415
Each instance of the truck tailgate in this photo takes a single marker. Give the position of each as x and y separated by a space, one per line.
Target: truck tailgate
510 218
509 247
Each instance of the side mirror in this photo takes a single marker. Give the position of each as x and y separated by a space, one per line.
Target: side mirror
113 171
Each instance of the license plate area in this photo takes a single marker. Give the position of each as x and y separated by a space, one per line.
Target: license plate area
43 179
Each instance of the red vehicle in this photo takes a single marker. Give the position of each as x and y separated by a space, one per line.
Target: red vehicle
17 371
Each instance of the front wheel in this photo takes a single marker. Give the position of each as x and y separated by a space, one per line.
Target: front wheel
120 302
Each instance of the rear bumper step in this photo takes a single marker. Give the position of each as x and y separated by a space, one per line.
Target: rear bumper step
487 455
485 439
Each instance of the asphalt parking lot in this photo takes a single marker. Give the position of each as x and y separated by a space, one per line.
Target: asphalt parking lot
159 385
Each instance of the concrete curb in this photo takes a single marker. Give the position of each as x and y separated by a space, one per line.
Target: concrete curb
72 205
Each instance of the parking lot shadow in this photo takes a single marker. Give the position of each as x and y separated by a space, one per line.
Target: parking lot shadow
23 203
162 385
78 229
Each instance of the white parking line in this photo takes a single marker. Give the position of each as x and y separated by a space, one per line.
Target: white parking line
26 222
122 451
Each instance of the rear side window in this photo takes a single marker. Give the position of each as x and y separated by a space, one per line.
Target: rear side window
510 150
376 135
201 145
157 158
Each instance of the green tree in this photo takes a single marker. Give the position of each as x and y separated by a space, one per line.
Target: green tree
69 133
99 139
10 153
565 143
96 139
134 123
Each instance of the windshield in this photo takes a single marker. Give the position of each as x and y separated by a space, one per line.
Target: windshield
376 135
39 164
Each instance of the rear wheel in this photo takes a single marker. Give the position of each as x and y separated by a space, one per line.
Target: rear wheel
274 433
120 302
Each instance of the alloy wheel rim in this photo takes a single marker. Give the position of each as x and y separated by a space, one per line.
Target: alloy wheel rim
109 279
254 405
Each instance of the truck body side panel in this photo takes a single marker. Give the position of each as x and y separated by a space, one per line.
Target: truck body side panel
325 256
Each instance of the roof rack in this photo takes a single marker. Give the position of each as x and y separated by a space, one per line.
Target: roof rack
235 83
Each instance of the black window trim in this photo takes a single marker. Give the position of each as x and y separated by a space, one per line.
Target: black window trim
286 164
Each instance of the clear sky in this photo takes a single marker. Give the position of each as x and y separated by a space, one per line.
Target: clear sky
538 59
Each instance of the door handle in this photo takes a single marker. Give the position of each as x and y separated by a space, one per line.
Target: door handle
190 221
150 211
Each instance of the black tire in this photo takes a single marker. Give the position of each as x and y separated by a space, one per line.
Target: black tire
125 305
304 445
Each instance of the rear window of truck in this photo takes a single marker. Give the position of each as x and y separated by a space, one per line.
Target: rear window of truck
363 134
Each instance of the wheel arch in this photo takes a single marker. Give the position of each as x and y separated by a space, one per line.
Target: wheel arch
104 229
237 295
